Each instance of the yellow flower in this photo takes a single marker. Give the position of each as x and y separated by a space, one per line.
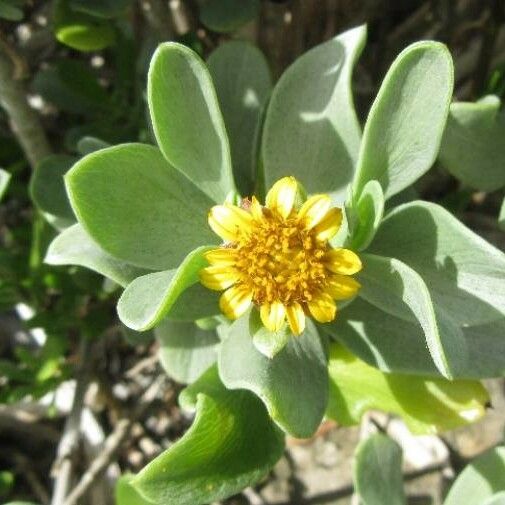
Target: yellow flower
279 259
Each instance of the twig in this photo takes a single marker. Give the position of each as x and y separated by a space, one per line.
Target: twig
487 47
25 468
158 17
25 122
144 363
113 443
62 467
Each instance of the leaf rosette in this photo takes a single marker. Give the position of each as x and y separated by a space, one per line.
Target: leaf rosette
430 308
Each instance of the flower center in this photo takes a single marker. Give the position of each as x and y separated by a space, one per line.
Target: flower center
281 260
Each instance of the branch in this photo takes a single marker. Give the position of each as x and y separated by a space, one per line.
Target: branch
113 443
24 121
62 467
158 17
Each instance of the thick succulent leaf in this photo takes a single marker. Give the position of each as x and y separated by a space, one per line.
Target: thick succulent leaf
378 478
101 8
382 340
5 178
395 345
80 31
187 121
464 273
394 287
148 299
473 147
196 302
480 480
126 494
47 186
405 125
268 342
88 145
232 444
72 86
427 405
243 83
293 385
186 351
311 130
368 214
496 499
74 246
224 16
10 12
137 207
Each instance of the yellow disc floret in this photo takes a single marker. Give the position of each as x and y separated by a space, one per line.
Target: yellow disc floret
279 258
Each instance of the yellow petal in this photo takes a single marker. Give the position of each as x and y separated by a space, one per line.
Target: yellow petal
323 308
341 287
342 261
329 225
281 196
256 209
222 256
228 221
314 209
273 315
235 301
219 277
296 318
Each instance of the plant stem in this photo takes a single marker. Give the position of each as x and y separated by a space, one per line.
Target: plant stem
63 466
25 122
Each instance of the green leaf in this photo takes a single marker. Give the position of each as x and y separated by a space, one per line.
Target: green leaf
405 125
472 146
88 145
427 405
223 15
75 247
136 337
6 482
72 86
311 130
137 207
186 351
480 480
148 299
21 503
267 342
80 31
243 83
232 444
5 178
86 37
10 12
126 494
464 273
187 121
497 499
101 8
47 187
395 345
501 217
377 472
393 287
368 214
194 303
293 385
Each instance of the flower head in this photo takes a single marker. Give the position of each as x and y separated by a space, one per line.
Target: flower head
278 257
